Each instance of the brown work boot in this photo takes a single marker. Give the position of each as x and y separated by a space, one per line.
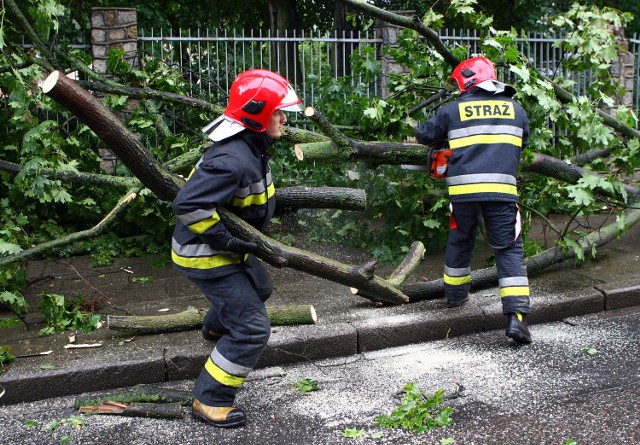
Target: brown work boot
220 416
517 328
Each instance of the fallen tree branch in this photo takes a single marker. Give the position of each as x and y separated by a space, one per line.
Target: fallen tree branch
153 410
146 93
489 276
192 318
95 231
407 22
372 153
141 394
412 259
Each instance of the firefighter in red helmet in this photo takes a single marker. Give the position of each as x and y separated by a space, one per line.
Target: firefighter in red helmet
233 174
486 131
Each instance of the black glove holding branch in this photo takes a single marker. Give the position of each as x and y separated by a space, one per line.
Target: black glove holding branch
238 245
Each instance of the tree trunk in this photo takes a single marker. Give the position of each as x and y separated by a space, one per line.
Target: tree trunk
192 318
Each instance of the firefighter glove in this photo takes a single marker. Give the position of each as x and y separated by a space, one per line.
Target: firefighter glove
237 245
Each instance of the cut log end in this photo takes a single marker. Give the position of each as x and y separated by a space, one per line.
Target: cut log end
309 111
299 153
50 81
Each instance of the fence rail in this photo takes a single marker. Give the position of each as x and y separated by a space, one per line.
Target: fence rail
209 59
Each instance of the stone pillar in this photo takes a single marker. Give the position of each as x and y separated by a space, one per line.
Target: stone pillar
389 34
113 28
622 69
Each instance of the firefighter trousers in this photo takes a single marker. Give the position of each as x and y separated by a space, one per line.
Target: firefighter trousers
238 313
502 225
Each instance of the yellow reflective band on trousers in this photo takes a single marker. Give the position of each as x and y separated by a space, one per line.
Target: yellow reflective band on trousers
205 224
483 188
206 262
221 376
518 291
258 199
485 139
457 281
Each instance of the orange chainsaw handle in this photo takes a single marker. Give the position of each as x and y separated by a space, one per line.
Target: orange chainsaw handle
439 162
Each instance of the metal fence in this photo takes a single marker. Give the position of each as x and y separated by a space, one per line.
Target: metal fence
210 59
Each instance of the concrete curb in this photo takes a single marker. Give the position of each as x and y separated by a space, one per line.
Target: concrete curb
182 354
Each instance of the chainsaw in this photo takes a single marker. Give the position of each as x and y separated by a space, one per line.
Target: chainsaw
439 161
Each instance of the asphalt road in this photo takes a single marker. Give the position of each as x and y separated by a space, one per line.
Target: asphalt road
550 392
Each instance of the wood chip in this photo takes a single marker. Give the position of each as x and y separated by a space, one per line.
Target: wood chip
83 345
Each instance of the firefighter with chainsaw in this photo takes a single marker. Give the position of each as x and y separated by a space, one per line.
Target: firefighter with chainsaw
486 131
233 174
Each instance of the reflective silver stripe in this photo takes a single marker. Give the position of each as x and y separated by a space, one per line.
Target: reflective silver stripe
482 178
485 129
196 216
457 271
227 366
195 250
253 189
513 281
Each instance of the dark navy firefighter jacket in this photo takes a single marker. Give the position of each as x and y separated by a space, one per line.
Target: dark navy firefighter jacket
233 174
486 133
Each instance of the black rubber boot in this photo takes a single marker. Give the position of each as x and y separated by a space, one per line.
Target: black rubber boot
220 416
517 329
457 303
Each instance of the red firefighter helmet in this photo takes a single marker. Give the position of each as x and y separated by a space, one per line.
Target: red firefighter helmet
254 96
472 72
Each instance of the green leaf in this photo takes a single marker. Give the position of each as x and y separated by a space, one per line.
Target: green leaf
580 196
306 386
353 432
590 351
30 423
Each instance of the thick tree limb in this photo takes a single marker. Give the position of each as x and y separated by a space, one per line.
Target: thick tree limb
280 255
192 318
321 198
120 140
555 168
344 148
